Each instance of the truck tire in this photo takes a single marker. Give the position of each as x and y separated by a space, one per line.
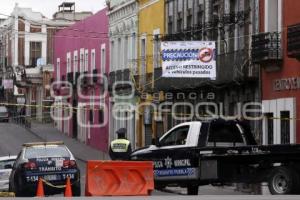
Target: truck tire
283 180
192 190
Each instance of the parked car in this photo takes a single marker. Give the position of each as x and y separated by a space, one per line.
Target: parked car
218 152
51 161
6 164
4 115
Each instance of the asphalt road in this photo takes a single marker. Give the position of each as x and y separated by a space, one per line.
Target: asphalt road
13 136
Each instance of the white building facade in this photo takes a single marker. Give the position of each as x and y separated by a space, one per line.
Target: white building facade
123 33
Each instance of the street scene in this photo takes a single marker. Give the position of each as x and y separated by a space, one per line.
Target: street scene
149 98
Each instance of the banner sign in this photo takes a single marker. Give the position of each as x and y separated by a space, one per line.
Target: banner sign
189 59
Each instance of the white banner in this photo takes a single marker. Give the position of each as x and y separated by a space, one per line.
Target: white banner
189 59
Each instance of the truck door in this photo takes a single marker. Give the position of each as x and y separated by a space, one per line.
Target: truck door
171 159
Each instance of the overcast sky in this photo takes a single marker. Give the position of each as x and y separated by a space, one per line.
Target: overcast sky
49 7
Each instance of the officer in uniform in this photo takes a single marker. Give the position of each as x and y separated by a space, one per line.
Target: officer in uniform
120 149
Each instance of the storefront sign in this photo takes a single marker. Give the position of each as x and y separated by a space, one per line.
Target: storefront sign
189 59
286 84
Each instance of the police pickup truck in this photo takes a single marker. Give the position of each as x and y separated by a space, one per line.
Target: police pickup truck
220 152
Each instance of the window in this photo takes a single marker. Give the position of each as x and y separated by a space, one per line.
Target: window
143 60
134 52
125 52
91 116
35 52
103 58
285 127
112 60
179 24
171 7
170 27
272 15
81 60
100 116
190 4
119 55
270 129
156 51
223 133
58 69
75 63
93 59
86 60
176 137
68 62
189 21
180 5
200 17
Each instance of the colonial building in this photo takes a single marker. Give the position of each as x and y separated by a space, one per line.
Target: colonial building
151 28
81 71
28 53
276 49
123 34
230 23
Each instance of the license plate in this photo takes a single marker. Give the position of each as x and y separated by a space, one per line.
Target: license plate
52 177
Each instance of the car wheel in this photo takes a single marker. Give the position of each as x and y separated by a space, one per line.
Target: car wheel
192 189
283 180
76 189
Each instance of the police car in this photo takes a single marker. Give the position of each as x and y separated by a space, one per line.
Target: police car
51 161
6 164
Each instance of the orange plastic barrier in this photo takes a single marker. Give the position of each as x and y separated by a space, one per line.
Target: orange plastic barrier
114 178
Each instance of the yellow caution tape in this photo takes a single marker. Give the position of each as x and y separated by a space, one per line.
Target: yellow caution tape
57 186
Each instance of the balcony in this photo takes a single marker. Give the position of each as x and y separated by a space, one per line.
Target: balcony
293 41
119 76
266 48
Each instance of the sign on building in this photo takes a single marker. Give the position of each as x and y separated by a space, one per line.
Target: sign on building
189 59
8 84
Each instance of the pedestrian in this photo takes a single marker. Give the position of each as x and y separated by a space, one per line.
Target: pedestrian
120 149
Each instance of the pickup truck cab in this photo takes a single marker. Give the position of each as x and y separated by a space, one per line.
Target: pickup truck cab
217 152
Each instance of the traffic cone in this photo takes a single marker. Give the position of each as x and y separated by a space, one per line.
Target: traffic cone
68 191
40 189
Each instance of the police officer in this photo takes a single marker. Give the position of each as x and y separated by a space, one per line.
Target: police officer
120 149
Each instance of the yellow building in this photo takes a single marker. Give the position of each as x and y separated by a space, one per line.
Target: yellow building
151 28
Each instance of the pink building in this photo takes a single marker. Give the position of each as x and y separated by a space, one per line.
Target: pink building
83 50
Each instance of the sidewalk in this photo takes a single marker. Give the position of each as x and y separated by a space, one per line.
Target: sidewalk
47 132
